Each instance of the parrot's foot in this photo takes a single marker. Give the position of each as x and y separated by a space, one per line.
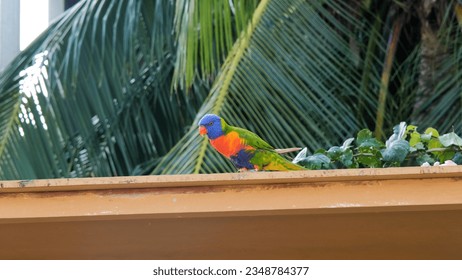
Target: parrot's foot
247 170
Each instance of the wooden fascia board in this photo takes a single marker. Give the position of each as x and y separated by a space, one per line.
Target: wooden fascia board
238 194
229 179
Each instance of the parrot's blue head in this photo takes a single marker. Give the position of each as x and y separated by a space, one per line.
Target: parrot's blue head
212 125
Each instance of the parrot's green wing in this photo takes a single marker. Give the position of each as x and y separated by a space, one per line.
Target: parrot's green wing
265 156
251 138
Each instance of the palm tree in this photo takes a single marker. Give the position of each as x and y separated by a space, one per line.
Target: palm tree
117 87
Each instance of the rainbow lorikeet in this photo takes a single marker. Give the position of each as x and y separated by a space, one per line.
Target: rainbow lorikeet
245 149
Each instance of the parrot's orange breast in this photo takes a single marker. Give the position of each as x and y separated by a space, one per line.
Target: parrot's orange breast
229 144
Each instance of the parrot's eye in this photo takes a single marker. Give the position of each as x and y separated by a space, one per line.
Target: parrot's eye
210 123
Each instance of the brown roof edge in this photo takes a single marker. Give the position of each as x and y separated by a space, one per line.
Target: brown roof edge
228 179
398 213
316 192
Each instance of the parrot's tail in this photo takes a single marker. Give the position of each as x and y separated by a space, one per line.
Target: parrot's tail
283 165
287 150
293 166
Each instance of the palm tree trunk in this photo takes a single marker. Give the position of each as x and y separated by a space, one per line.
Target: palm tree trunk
431 15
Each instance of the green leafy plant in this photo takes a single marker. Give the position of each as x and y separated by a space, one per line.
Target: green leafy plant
405 147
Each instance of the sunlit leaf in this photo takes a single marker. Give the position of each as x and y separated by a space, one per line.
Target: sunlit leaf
450 139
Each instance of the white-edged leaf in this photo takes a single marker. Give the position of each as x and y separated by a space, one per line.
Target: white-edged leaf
450 139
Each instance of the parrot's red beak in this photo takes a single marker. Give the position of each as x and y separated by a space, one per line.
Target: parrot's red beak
202 130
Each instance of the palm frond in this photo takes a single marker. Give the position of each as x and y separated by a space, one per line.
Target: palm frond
206 31
93 94
388 64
